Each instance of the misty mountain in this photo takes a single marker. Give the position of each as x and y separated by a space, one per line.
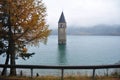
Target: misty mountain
96 30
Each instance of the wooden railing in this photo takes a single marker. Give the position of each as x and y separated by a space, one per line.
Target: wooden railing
62 68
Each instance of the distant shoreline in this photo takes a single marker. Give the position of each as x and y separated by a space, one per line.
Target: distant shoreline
84 35
104 30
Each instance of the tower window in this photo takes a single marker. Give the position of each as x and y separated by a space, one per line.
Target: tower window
61 26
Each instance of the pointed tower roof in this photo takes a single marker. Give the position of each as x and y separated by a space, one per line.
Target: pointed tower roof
62 19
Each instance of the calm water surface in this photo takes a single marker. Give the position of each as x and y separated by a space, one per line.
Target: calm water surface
79 50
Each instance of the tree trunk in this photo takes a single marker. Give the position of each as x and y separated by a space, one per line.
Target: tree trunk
5 68
12 69
12 60
11 48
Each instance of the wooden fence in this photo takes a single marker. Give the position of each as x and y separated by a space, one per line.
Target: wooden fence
62 68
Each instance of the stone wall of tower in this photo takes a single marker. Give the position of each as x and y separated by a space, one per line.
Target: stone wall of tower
61 33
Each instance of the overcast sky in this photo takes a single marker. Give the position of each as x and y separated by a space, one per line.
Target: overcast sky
83 12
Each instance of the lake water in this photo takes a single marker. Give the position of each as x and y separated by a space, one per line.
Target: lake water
79 50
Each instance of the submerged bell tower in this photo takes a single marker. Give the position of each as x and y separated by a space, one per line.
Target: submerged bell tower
62 30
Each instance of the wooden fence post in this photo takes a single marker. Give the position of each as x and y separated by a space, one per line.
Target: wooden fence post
62 74
107 72
31 72
93 74
21 73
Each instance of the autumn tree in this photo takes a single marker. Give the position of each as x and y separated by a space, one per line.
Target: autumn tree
22 22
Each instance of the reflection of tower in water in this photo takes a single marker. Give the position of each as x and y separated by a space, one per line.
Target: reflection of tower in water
62 60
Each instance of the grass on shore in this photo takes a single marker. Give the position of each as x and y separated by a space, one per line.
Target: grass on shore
58 78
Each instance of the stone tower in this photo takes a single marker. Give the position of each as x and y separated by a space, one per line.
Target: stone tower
62 30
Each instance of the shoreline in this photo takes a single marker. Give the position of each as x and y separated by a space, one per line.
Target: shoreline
77 77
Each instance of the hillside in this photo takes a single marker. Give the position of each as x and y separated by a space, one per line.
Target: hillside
96 30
